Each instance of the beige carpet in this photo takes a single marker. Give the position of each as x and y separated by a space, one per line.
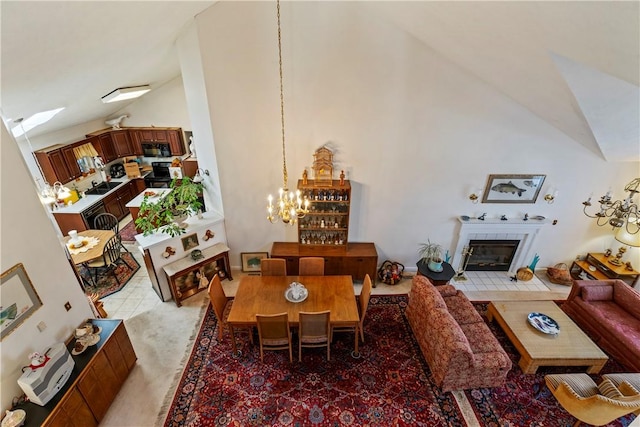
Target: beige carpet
162 339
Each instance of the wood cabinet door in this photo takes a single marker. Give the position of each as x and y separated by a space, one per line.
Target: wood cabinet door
116 360
358 267
126 348
48 171
121 143
71 161
104 146
335 266
99 385
59 166
72 411
176 142
113 206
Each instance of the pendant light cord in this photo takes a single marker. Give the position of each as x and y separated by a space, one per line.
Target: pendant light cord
284 156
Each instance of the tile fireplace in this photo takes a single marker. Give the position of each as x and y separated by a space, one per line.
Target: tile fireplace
500 248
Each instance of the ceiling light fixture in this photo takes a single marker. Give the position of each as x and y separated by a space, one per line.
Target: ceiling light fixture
123 93
289 205
619 213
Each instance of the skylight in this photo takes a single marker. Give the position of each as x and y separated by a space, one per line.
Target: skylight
33 121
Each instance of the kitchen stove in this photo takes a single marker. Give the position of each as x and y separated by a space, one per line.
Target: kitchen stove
159 176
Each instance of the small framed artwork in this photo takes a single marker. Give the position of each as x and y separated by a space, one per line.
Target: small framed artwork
251 261
190 241
19 299
512 188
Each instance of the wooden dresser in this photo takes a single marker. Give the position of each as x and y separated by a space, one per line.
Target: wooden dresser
98 374
357 260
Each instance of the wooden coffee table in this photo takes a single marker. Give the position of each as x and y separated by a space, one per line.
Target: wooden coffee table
571 347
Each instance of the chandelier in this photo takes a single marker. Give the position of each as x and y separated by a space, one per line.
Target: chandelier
289 206
618 214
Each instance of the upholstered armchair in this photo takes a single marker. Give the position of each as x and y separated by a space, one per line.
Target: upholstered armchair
591 403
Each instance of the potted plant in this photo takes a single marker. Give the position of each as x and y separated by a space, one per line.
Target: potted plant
167 214
431 254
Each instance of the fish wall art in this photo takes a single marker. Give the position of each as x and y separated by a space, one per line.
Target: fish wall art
518 188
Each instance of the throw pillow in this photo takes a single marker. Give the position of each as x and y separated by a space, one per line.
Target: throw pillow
447 290
608 389
597 293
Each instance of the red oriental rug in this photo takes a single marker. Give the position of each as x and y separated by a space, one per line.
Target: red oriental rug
107 284
128 232
389 385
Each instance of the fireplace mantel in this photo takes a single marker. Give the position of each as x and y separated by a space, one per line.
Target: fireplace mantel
495 228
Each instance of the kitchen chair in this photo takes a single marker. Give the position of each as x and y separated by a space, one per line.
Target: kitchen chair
111 255
314 331
273 267
311 266
221 305
274 333
365 295
593 404
107 221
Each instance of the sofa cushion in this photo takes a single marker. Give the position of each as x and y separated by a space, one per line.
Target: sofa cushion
608 389
615 320
597 293
447 290
461 309
427 294
627 298
480 338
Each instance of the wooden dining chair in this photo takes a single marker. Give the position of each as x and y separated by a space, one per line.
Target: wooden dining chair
274 333
273 267
311 266
314 331
363 304
109 260
221 306
107 221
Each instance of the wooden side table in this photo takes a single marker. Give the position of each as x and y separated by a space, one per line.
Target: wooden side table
187 277
438 279
596 266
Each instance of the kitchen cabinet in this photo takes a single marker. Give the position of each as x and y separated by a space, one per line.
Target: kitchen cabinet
123 144
115 202
71 161
97 377
171 136
104 146
176 142
356 260
54 166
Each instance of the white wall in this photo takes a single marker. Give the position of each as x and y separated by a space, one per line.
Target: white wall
28 237
414 132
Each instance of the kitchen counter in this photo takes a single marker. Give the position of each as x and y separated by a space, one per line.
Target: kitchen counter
137 201
89 200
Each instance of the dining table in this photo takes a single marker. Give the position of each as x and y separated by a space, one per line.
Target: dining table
93 241
266 295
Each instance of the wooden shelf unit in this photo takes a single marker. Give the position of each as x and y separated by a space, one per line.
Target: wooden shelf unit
596 266
184 274
327 223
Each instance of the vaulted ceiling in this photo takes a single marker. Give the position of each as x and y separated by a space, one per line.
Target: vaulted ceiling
575 65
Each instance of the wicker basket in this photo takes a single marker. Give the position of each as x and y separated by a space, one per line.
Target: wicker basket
559 274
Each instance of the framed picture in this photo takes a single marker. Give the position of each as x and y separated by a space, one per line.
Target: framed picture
190 241
512 188
251 261
19 299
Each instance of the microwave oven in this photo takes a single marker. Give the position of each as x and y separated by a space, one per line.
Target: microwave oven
156 150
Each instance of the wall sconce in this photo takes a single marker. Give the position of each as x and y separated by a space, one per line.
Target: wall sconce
198 178
550 197
475 195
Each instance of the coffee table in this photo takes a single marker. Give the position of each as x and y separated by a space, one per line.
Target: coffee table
571 347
